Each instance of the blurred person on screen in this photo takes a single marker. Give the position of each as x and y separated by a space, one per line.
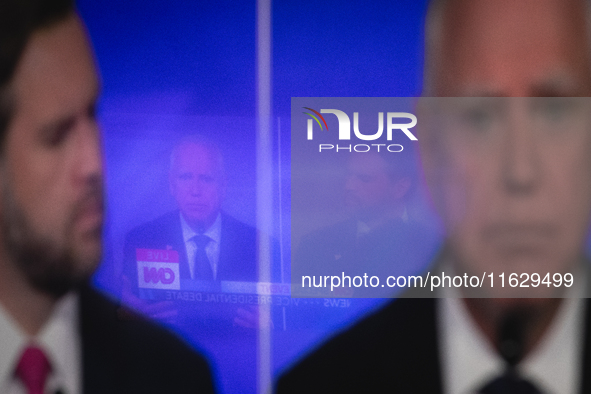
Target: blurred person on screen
209 246
57 334
509 171
378 232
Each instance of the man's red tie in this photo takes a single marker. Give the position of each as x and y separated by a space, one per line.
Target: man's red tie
32 369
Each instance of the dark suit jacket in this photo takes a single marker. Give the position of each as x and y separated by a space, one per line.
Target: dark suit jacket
394 350
238 242
132 355
237 262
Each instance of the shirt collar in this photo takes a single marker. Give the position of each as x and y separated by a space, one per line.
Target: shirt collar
469 361
11 346
59 338
213 232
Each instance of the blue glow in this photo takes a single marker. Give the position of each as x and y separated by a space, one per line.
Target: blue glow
175 68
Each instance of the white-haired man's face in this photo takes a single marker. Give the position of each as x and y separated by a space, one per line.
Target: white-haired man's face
197 184
510 168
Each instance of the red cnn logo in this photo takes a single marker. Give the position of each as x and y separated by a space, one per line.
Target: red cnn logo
164 275
158 269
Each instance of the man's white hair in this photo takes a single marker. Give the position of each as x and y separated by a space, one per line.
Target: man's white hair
205 142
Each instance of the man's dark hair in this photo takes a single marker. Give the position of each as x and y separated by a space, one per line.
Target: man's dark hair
18 20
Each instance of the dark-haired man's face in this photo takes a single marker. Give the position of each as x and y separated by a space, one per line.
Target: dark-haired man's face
51 169
515 172
369 189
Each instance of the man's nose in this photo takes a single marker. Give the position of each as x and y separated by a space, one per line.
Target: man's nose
90 160
521 169
196 187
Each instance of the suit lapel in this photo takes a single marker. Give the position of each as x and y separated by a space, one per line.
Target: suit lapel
238 245
586 340
101 369
225 249
179 245
586 365
425 352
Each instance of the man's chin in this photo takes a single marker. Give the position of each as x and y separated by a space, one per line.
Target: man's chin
58 286
200 222
56 277
507 304
88 249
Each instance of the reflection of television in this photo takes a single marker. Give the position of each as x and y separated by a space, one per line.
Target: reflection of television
170 69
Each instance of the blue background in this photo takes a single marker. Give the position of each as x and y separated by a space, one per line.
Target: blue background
171 68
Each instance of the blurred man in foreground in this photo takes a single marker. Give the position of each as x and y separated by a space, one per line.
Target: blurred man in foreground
509 171
57 334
